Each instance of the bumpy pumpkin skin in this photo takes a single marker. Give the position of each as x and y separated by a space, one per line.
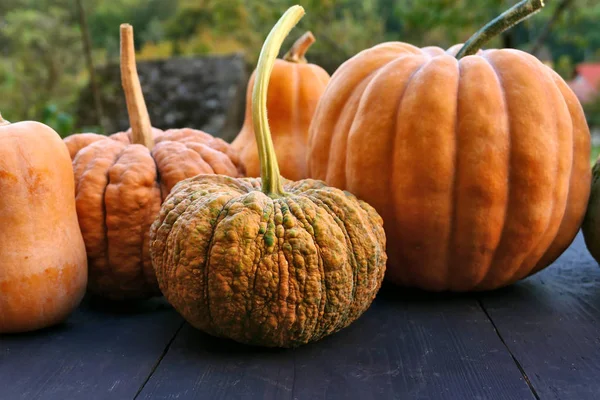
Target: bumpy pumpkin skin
119 190
43 266
294 91
276 272
591 222
479 167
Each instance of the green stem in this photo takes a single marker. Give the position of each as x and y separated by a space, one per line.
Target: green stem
298 50
269 170
3 121
504 21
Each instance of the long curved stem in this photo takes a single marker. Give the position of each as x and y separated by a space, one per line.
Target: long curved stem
3 121
269 169
297 52
141 128
504 21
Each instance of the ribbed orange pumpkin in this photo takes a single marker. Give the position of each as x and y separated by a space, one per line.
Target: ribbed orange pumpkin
121 181
479 165
295 89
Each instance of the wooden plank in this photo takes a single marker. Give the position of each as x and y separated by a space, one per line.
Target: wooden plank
104 351
551 323
416 346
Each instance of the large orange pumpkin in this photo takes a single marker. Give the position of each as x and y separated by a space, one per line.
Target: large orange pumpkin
294 91
121 181
43 268
478 164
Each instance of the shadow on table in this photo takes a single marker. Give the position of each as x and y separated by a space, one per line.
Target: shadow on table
389 299
57 329
104 306
93 309
203 343
576 279
393 303
392 293
391 306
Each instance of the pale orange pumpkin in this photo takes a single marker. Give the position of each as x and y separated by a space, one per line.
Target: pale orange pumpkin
294 91
43 267
478 163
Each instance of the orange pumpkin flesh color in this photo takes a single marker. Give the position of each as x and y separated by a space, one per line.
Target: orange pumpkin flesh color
121 181
295 89
478 164
43 267
267 261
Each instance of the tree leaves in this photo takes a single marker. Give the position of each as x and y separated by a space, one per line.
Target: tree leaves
42 62
45 61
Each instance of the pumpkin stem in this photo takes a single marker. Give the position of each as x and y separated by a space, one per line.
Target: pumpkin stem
141 128
506 20
269 170
298 50
3 121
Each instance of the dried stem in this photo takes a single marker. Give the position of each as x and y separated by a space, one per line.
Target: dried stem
504 21
141 128
298 50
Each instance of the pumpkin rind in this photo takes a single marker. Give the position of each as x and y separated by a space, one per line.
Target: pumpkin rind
122 179
119 190
43 268
272 272
294 91
267 261
591 222
478 166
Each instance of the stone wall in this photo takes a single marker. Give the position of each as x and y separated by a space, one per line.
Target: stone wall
205 93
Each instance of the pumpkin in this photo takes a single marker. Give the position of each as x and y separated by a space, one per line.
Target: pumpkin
294 92
591 222
121 181
478 161
43 267
267 261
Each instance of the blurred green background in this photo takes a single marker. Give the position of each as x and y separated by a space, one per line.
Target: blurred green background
43 64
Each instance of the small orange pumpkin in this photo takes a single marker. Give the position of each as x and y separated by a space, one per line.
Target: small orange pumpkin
295 89
43 267
121 181
478 163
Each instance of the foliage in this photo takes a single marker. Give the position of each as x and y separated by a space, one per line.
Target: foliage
576 35
62 122
146 16
342 27
594 154
44 65
443 22
592 112
42 62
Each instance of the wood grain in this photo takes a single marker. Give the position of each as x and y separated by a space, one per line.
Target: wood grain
551 324
409 345
416 346
104 351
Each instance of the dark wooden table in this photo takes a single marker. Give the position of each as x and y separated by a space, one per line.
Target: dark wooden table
539 339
